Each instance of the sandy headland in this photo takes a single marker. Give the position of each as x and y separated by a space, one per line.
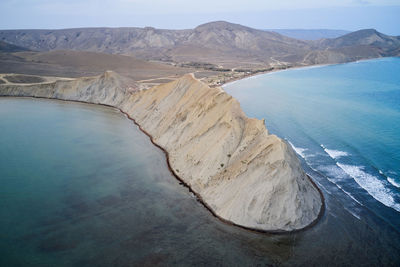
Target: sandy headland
240 172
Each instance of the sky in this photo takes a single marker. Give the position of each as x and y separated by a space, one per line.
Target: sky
383 15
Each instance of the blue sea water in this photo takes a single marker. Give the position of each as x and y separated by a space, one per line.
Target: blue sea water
344 122
81 185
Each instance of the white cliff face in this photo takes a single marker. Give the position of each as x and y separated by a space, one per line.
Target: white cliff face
242 173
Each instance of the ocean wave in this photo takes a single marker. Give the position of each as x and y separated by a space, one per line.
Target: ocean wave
350 195
393 182
338 174
352 213
335 154
371 184
390 179
299 150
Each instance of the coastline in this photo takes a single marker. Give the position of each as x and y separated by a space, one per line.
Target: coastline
202 115
382 178
198 197
324 242
292 68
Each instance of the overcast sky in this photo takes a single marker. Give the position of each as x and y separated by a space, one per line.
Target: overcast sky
383 15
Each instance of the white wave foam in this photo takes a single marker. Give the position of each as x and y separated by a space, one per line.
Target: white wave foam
335 154
350 195
371 184
393 182
352 213
390 179
336 174
333 172
299 150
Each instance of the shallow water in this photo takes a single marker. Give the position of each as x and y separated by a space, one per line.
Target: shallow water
82 186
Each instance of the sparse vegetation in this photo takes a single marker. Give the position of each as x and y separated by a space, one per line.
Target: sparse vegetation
23 79
205 66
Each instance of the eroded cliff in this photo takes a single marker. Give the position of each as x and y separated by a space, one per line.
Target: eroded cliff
241 173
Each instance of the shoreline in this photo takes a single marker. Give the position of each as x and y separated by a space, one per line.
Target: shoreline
293 68
198 197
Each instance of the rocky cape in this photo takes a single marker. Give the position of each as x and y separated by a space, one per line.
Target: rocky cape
239 171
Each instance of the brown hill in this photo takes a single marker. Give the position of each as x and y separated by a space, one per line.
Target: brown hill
218 43
64 63
368 37
7 48
229 44
357 45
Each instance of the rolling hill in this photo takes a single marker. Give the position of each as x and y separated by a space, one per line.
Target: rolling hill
310 34
68 63
9 48
217 44
356 45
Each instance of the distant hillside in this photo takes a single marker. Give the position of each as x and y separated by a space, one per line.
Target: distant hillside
6 47
368 37
357 45
217 42
63 63
311 34
220 44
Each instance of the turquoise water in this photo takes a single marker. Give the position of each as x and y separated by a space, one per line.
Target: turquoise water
80 185
343 121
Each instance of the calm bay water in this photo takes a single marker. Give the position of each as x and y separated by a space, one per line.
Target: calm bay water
82 186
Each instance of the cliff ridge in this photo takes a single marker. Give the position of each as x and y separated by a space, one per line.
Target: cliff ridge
243 174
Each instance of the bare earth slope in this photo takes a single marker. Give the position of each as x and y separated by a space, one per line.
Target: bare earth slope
354 46
310 34
241 173
9 48
68 63
220 43
217 42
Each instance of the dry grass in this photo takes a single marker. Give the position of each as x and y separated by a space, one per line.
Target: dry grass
19 78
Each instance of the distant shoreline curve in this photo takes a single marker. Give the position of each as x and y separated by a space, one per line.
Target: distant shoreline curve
230 82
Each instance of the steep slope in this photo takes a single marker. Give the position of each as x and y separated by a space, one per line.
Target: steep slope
234 42
240 172
8 48
216 42
357 45
310 34
109 40
368 37
221 43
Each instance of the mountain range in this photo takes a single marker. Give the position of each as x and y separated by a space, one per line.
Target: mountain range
310 34
218 44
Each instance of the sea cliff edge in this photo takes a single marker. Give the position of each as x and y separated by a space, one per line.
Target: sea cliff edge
240 172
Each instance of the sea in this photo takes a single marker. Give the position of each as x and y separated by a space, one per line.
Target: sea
81 185
342 120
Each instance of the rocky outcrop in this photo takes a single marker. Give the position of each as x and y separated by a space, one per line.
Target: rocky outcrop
242 173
